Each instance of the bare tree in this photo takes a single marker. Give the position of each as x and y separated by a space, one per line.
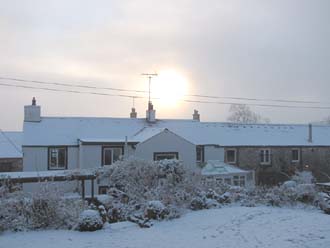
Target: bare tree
241 113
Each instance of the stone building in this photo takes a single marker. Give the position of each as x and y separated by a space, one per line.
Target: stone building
11 158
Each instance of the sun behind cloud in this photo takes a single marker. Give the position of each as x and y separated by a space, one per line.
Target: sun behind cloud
169 87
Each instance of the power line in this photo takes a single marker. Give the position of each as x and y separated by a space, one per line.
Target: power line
147 92
184 100
71 85
68 91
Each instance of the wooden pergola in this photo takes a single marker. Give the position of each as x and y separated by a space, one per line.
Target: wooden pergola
10 178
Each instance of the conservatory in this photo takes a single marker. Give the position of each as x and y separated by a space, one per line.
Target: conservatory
217 172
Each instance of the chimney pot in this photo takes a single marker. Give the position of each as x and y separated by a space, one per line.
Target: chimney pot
133 113
196 115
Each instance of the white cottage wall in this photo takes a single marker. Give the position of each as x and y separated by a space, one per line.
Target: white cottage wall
36 159
167 141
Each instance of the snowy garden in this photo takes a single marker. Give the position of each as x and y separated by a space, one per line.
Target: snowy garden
162 204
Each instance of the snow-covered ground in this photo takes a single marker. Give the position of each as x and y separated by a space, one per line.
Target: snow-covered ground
227 227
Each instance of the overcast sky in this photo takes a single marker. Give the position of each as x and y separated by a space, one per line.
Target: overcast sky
241 48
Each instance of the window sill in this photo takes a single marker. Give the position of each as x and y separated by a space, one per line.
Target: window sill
52 169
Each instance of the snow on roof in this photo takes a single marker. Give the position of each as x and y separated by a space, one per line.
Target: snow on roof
216 167
68 130
11 144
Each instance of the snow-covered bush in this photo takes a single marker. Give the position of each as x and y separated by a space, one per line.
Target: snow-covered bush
105 200
156 210
303 177
323 201
45 209
139 181
198 203
89 221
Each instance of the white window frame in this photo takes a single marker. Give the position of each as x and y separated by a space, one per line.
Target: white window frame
57 166
298 152
235 156
110 148
263 156
174 154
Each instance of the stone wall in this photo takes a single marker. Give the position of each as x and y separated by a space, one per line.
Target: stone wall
11 164
316 159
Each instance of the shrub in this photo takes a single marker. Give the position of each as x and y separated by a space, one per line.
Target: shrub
89 221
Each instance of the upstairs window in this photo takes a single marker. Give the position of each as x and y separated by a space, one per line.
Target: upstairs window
265 157
295 155
57 158
231 156
111 154
165 155
200 154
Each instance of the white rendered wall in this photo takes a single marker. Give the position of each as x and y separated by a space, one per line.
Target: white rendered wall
168 142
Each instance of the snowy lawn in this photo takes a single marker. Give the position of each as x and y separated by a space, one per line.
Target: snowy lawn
227 227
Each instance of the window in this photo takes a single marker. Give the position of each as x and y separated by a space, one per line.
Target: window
103 190
218 181
295 155
265 156
200 154
231 156
57 158
165 155
239 181
111 154
236 180
242 181
228 181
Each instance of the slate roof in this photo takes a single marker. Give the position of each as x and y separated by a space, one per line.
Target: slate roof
68 131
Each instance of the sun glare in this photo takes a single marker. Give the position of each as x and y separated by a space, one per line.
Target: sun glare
170 86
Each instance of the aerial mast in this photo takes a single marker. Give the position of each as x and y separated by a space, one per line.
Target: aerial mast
150 76
150 106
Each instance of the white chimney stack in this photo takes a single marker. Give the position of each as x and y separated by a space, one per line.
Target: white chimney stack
310 133
133 113
151 113
196 115
32 112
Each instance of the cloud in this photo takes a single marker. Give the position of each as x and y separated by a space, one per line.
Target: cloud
253 48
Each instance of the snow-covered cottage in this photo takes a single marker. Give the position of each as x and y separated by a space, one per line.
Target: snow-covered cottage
11 157
64 143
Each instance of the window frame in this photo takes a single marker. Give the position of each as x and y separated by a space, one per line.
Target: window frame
298 153
263 156
50 167
202 154
176 154
110 147
102 187
235 155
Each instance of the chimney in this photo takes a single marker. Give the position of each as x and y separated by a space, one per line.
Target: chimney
310 133
32 112
196 115
151 113
133 113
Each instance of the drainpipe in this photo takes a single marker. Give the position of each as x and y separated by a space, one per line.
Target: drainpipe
310 133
